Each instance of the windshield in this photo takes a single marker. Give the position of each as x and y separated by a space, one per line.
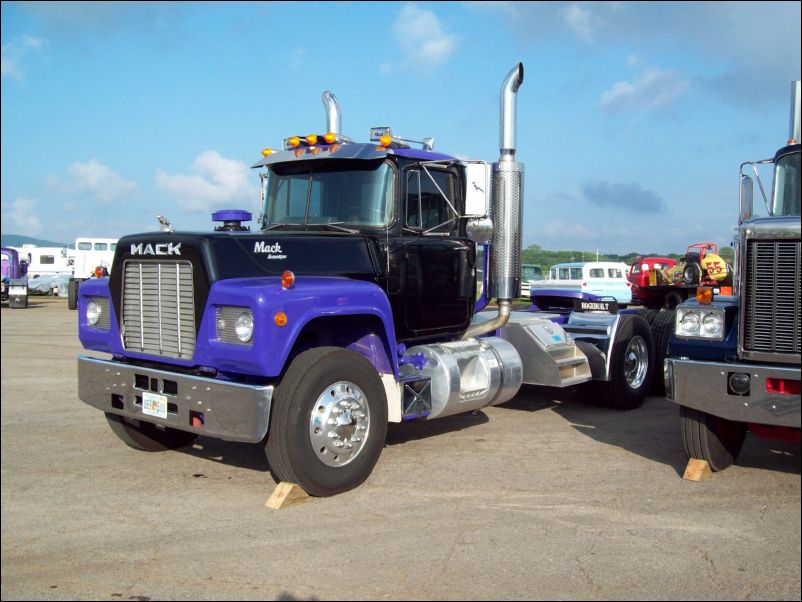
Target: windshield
352 193
786 185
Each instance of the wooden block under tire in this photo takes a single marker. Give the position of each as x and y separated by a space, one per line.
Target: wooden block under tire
697 470
285 495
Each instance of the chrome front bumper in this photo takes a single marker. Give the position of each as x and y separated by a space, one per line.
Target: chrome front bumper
703 386
206 406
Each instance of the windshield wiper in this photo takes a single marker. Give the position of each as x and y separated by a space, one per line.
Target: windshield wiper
337 226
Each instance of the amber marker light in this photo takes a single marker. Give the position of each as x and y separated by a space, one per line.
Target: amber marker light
385 140
294 141
311 139
266 152
287 279
330 137
704 295
280 319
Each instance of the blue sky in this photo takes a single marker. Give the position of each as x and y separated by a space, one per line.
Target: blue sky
633 117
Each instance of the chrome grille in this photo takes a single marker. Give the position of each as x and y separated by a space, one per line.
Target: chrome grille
159 308
771 297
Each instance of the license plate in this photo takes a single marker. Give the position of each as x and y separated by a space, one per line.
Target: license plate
154 404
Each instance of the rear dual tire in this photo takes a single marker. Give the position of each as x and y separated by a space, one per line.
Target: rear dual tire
631 364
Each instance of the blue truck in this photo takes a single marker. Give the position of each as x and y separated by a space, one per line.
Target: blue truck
351 305
734 361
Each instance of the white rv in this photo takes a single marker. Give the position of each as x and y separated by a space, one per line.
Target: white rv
46 261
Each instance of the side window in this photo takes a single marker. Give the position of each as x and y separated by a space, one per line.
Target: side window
614 273
553 274
564 272
597 273
113 246
100 246
426 207
47 259
576 273
290 203
84 246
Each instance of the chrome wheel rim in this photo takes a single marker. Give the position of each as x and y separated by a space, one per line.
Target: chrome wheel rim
339 424
636 362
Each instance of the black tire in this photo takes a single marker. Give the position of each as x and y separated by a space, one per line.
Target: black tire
72 294
649 315
144 436
662 329
301 442
692 273
631 364
708 437
673 299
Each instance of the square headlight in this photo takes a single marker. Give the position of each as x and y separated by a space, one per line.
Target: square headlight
700 323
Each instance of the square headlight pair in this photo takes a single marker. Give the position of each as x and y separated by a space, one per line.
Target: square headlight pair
700 323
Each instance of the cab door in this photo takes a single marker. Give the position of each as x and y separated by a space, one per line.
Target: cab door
440 264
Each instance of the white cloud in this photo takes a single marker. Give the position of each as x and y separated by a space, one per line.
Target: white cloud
215 180
24 217
95 180
581 21
499 6
421 37
655 89
13 54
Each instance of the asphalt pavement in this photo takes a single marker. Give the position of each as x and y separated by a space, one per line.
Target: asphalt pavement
547 497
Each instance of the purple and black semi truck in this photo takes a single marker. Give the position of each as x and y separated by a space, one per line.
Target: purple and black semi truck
14 281
355 302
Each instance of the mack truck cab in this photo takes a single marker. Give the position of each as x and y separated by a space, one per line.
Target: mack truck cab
734 361
352 304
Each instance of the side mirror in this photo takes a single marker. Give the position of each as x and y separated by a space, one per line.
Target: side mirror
480 230
746 198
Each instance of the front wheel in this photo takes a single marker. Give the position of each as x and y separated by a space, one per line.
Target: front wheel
710 438
328 423
631 364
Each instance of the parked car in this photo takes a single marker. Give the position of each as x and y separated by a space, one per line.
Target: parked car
604 279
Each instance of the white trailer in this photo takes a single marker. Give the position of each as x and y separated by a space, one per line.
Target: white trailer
92 258
93 253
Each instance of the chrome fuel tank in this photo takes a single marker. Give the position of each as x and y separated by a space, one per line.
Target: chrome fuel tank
466 375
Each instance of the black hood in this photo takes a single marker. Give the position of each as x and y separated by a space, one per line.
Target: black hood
223 255
226 255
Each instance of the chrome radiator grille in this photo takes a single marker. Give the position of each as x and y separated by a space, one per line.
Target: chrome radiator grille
771 297
159 308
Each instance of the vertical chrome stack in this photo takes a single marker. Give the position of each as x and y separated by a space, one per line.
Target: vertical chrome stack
508 180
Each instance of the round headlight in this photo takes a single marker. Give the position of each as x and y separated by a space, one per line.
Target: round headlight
689 323
92 313
244 327
711 324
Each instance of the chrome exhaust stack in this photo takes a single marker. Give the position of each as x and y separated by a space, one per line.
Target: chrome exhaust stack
508 181
332 112
507 210
793 124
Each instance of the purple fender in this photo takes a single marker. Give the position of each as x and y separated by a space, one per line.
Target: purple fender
334 311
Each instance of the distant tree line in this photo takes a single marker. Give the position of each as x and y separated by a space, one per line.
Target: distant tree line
534 254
